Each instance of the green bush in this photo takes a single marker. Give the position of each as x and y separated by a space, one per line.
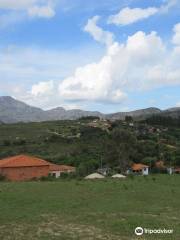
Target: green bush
48 178
2 177
158 170
6 142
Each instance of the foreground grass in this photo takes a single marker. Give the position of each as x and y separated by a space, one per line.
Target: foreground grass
105 209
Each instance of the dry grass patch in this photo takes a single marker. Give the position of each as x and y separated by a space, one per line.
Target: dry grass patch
54 229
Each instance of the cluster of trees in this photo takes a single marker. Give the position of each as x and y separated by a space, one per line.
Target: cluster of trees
163 121
116 148
16 142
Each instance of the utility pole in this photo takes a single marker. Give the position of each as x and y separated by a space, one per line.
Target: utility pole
101 162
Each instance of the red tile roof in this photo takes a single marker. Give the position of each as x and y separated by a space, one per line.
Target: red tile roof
22 161
55 167
177 169
138 166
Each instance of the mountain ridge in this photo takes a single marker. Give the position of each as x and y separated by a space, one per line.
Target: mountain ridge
12 111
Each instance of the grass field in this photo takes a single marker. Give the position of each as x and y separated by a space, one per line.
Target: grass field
88 210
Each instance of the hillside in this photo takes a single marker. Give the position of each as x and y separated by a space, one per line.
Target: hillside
137 114
12 111
88 143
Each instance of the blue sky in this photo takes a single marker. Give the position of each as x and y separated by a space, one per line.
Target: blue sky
106 55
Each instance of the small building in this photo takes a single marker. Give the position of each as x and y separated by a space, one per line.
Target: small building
94 176
104 171
103 124
177 170
139 168
160 165
56 170
22 167
118 176
170 170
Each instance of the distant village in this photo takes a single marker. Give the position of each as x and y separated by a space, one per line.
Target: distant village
26 167
23 168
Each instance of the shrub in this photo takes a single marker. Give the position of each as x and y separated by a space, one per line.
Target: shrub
2 177
19 142
158 170
48 178
64 175
131 176
125 187
6 142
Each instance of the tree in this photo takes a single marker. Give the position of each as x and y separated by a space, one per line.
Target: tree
120 149
128 119
6 142
150 161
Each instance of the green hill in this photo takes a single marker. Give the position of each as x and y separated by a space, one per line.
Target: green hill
88 142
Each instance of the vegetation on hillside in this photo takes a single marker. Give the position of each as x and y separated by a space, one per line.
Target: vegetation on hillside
90 143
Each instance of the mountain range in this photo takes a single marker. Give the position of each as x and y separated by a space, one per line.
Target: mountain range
12 111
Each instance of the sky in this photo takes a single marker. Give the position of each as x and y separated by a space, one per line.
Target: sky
105 55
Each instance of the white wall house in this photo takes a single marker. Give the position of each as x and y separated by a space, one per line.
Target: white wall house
145 171
56 170
170 170
55 174
141 169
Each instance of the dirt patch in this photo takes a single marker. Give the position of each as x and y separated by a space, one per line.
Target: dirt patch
54 229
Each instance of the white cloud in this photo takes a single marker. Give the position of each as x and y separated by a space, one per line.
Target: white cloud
167 5
32 8
178 104
176 37
42 88
45 11
17 4
21 68
92 82
128 15
98 33
142 63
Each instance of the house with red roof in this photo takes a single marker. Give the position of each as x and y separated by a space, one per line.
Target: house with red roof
139 168
177 170
23 167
